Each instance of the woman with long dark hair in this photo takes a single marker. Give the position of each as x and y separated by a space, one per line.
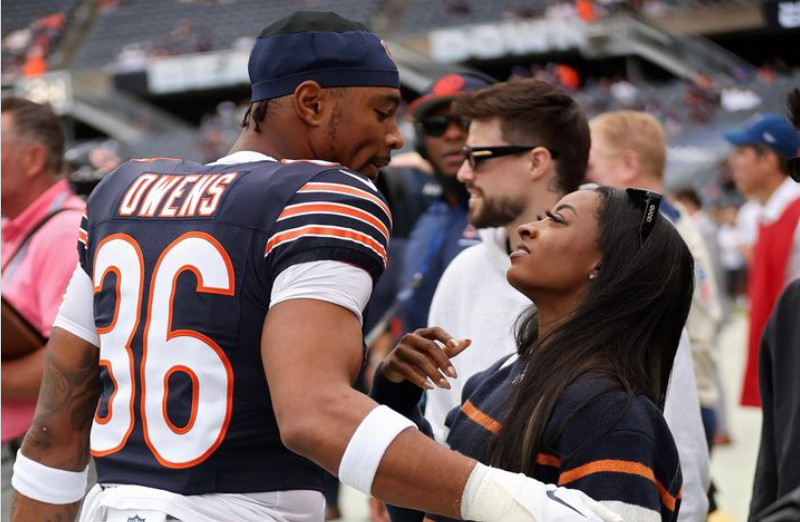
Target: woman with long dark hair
580 404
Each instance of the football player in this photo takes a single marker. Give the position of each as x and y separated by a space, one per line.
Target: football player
206 345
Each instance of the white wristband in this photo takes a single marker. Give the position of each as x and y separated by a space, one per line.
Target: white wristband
45 484
368 444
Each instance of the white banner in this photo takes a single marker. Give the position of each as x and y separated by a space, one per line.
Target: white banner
197 71
489 41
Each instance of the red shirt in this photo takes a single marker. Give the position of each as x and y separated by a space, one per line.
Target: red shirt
771 256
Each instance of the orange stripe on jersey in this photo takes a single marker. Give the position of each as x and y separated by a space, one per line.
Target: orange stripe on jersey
480 418
82 236
548 460
337 209
618 466
327 231
346 189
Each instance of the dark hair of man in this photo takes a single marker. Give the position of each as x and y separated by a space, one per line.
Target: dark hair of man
793 102
626 330
782 161
260 110
257 112
689 194
39 123
533 112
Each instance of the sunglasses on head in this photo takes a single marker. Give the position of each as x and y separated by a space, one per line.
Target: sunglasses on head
475 154
650 201
437 125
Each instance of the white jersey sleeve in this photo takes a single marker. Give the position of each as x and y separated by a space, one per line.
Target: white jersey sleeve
76 314
332 281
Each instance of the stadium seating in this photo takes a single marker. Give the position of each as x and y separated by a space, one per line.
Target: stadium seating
151 21
18 15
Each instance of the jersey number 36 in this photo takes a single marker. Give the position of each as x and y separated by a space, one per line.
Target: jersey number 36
164 350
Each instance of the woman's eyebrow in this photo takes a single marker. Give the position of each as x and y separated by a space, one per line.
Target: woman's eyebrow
568 207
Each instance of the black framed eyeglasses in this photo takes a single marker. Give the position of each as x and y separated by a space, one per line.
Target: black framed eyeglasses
437 125
475 154
651 201
794 168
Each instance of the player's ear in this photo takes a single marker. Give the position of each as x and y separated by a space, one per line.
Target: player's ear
310 102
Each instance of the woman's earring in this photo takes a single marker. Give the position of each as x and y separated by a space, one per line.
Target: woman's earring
592 276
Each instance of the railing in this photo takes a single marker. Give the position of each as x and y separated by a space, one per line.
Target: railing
687 56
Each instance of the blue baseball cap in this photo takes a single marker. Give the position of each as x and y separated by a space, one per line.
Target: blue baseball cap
319 46
772 130
445 89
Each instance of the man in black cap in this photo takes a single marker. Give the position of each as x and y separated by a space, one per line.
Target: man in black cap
226 300
443 230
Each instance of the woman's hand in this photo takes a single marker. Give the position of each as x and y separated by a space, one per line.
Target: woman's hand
418 357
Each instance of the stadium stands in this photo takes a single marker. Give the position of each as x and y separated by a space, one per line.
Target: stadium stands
19 15
171 26
31 31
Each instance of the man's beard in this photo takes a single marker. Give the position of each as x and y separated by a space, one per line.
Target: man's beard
497 212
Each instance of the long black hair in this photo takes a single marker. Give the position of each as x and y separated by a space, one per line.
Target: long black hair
626 330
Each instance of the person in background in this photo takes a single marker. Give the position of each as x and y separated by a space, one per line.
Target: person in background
443 230
732 249
760 167
778 466
40 224
709 230
690 199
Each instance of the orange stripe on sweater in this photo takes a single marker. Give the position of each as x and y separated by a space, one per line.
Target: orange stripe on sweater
548 460
618 466
480 418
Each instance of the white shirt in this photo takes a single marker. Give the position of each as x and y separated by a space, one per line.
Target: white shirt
730 247
474 300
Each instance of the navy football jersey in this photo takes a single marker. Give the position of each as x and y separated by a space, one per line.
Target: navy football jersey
182 257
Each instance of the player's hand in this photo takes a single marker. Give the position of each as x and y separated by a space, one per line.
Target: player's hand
423 357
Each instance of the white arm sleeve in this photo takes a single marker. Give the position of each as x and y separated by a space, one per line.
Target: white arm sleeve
682 412
76 314
332 281
493 495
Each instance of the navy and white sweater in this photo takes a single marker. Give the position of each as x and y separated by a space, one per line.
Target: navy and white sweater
618 452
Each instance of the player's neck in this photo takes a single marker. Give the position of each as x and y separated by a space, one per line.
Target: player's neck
267 142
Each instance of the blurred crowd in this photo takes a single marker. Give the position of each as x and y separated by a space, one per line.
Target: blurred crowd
25 50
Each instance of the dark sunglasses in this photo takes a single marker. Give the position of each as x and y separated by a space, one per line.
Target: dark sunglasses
437 125
475 154
794 168
651 201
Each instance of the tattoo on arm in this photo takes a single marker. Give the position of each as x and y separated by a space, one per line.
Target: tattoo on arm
67 401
